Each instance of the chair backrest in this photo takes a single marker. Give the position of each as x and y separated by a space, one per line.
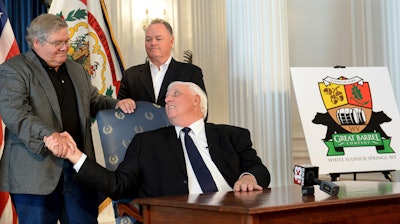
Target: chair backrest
117 129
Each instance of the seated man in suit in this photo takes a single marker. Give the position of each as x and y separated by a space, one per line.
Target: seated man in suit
157 162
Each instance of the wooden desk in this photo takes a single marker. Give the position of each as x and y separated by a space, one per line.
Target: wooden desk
357 202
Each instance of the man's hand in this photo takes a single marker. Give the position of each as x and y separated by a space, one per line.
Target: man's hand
247 183
70 151
128 106
59 145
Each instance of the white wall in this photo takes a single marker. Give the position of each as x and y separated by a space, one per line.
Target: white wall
319 36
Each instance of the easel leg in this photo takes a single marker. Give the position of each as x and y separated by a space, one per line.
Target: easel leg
335 176
388 175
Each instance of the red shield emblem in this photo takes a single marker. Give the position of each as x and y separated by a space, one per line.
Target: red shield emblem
348 102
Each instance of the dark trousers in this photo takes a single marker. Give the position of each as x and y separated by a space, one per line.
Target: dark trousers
68 203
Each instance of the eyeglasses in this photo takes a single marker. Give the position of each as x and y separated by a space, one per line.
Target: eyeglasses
59 44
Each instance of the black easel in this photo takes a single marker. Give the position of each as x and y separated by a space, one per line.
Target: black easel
386 173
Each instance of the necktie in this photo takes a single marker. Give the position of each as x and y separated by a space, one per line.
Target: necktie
203 175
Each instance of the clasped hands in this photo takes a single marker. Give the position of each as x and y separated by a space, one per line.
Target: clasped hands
63 145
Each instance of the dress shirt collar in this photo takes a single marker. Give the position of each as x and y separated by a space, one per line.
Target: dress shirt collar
196 127
166 64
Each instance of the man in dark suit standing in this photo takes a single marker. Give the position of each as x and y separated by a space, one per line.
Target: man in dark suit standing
157 162
149 81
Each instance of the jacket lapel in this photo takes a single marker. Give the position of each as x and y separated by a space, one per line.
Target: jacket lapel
176 146
76 74
145 78
213 143
169 77
214 147
45 82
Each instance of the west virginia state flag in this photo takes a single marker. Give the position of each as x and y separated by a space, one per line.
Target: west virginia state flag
94 46
8 49
92 42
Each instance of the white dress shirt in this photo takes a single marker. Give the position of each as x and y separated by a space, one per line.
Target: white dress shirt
198 134
157 75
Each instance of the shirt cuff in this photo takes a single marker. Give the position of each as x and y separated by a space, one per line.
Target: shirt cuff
80 162
247 173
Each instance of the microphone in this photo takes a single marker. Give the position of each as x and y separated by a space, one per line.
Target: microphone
307 177
328 187
304 175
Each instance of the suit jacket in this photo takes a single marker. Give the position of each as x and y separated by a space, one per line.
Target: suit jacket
138 85
30 110
154 163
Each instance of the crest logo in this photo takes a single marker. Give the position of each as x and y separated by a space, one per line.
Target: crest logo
350 119
79 48
89 46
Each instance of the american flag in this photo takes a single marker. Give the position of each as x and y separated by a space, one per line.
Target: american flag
8 49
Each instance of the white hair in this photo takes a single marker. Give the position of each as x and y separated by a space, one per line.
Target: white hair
196 91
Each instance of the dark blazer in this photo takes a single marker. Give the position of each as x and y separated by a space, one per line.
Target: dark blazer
138 85
30 110
154 164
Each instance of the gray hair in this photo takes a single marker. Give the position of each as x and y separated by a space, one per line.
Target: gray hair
43 26
165 23
196 91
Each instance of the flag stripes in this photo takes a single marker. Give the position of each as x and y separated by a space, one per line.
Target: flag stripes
8 49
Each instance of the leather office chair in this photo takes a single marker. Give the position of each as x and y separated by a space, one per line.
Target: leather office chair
116 130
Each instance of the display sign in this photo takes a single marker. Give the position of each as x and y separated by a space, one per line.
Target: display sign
349 117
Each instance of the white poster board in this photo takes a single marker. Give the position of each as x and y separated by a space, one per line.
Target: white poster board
349 117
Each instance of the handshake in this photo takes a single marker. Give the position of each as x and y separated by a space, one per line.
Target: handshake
63 145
